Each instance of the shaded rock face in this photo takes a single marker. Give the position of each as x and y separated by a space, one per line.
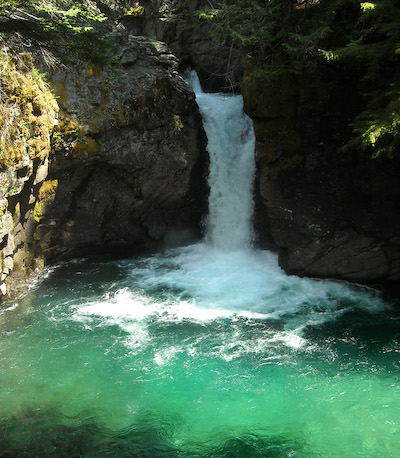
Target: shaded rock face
220 66
333 219
330 213
128 162
19 186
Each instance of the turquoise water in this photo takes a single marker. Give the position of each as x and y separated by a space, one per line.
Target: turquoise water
208 350
149 357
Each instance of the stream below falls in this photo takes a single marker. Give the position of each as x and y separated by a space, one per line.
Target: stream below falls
207 350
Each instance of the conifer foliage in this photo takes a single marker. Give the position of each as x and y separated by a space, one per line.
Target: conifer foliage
349 35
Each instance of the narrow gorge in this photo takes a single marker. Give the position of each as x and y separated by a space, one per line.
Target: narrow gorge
113 158
199 262
208 349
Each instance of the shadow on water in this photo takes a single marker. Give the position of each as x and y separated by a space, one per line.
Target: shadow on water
376 329
38 433
256 446
359 340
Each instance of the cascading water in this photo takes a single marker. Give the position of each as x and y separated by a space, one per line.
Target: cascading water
208 350
231 149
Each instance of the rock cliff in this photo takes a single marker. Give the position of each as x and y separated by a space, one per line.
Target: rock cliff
332 213
120 165
115 158
28 113
190 37
127 162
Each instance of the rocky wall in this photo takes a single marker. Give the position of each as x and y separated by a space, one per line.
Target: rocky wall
19 187
28 113
128 157
124 164
332 212
190 37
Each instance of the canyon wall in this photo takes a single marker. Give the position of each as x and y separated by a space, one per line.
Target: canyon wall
120 165
329 207
108 154
331 212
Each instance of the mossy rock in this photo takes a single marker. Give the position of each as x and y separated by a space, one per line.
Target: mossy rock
45 196
85 146
28 109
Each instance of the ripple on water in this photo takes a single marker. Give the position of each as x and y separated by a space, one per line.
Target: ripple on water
161 375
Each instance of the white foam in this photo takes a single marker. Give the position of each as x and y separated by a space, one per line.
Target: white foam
165 355
125 307
9 309
290 339
202 284
230 146
257 309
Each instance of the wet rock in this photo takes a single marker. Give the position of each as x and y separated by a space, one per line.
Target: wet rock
127 162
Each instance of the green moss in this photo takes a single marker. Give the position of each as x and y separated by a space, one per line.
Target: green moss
367 6
49 187
38 211
65 129
47 191
28 109
178 122
85 146
136 11
61 92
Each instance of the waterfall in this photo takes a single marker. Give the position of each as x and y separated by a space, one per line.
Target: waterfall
204 350
231 149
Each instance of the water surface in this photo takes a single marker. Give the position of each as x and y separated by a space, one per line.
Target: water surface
208 350
154 357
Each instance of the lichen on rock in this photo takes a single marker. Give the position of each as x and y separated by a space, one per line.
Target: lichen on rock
28 112
28 109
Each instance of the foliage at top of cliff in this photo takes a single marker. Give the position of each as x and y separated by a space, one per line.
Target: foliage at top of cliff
352 36
61 26
55 30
